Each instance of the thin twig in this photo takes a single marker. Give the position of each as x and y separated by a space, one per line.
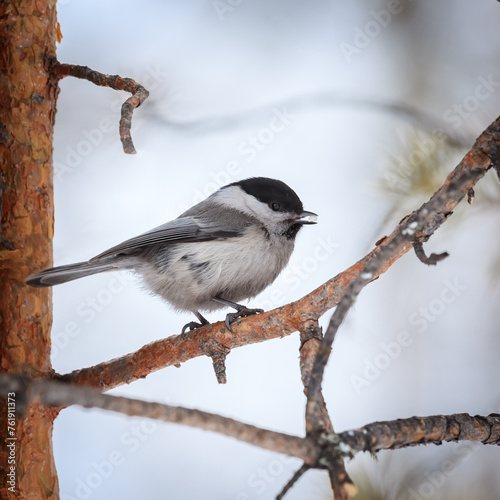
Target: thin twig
116 82
430 260
298 474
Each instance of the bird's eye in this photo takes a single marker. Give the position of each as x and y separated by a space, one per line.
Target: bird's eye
275 206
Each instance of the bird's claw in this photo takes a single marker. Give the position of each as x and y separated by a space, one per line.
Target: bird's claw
240 313
192 325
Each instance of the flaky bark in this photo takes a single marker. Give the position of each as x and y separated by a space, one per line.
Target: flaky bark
27 107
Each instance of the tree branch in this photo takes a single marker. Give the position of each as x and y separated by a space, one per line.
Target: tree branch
178 349
413 431
343 288
318 421
59 394
373 437
116 82
418 226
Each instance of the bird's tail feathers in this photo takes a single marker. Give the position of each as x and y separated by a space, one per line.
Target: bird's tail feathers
62 274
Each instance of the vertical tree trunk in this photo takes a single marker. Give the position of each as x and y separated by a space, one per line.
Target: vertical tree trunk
27 108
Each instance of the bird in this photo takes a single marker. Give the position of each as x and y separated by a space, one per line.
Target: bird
227 248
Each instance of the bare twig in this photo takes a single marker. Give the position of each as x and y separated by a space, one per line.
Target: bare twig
435 429
430 260
318 422
116 82
342 485
288 486
317 418
259 328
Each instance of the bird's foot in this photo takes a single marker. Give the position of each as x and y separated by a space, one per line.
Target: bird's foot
192 325
241 312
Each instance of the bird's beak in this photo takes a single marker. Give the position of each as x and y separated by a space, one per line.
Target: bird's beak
307 218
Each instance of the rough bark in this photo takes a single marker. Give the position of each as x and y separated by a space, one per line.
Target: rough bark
27 108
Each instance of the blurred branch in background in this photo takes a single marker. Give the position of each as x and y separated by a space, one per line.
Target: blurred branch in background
321 101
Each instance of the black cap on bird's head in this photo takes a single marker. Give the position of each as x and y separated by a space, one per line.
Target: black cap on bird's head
278 196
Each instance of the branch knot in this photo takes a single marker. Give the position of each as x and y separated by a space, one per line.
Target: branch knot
218 353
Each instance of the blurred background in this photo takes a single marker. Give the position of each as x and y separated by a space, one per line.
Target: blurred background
361 107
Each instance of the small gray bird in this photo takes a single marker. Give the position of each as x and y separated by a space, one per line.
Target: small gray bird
225 249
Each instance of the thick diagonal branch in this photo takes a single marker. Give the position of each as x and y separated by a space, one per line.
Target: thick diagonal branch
116 82
418 226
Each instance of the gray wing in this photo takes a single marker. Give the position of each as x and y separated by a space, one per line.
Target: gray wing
182 230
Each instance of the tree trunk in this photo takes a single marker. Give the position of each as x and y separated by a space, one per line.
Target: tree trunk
28 95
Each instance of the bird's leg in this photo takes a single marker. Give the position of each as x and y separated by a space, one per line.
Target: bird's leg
241 311
192 325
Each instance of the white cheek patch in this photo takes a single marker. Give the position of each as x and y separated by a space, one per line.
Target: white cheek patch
235 197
